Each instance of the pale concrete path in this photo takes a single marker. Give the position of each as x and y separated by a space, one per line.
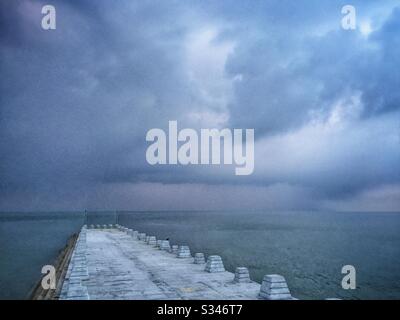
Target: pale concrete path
121 267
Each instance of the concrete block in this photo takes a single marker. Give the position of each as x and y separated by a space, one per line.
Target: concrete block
174 249
158 243
152 241
183 252
274 287
199 258
165 245
241 275
214 264
142 236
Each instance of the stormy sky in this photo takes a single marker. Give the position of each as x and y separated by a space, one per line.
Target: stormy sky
76 103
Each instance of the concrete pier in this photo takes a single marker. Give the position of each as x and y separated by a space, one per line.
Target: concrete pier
110 264
73 287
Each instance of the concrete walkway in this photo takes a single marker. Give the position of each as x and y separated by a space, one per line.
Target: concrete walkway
116 263
110 264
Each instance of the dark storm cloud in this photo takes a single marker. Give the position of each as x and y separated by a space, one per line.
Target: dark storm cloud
76 102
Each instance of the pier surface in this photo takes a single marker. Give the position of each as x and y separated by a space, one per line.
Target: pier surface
110 264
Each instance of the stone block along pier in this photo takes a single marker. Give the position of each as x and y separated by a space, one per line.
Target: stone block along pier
113 262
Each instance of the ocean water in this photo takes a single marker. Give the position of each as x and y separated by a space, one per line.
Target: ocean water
29 241
308 248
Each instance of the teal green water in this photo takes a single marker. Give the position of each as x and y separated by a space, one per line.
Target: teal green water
308 248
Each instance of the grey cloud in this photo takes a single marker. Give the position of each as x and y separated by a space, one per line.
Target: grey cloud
285 77
77 101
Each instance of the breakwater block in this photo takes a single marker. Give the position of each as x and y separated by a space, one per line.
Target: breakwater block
142 236
183 252
147 239
241 275
152 241
165 245
158 243
214 264
274 287
174 249
199 258
135 234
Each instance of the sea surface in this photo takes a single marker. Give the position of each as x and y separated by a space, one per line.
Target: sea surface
308 248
